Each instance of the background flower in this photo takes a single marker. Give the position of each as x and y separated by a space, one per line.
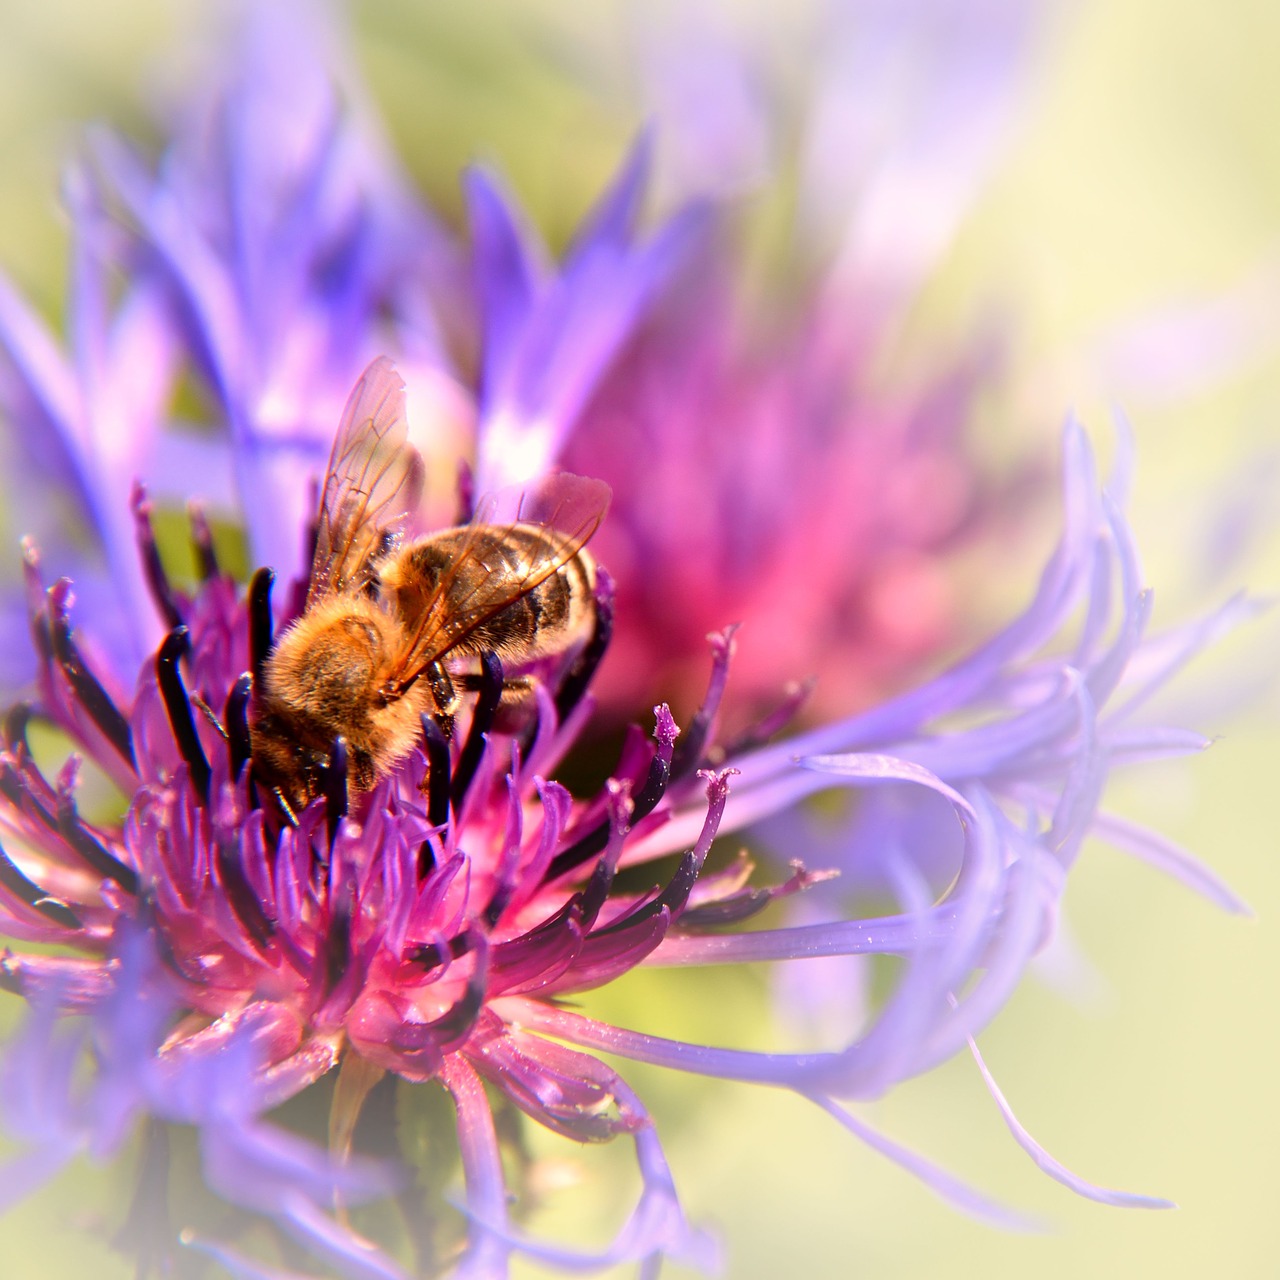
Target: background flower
1148 242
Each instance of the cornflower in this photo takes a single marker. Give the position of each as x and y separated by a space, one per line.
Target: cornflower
195 959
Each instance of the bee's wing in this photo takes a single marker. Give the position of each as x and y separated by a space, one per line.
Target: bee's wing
570 508
374 482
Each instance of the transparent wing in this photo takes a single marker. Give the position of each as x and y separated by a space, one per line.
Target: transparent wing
374 482
566 509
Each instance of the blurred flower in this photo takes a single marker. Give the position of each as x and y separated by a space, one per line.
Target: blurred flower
218 962
766 464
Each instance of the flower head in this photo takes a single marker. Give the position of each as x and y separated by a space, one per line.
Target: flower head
216 949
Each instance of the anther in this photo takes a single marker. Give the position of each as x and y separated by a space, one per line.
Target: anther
92 851
34 896
437 772
235 716
455 1022
202 543
15 727
260 631
466 492
336 945
162 593
178 707
15 786
246 904
482 718
89 692
579 676
689 752
432 956
333 784
644 801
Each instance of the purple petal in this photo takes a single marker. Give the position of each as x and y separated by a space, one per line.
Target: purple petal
1055 1170
948 1186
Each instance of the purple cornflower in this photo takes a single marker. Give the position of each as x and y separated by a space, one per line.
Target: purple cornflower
222 961
217 962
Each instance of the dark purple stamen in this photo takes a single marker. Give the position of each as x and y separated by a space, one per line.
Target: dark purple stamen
260 629
178 707
482 718
333 783
202 543
162 592
645 801
711 915
87 847
580 675
498 904
596 893
455 1022
16 788
431 957
794 697
240 894
15 727
235 716
466 491
34 896
40 636
437 748
89 692
337 941
672 898
689 751
426 859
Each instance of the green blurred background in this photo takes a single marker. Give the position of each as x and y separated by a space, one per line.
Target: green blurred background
1146 172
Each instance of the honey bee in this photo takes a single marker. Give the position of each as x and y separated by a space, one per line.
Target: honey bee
387 627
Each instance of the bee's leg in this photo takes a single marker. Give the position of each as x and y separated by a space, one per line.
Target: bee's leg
516 710
207 711
285 807
516 690
445 695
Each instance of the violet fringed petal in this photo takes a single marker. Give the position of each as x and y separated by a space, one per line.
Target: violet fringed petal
944 1184
549 340
1122 1199
289 243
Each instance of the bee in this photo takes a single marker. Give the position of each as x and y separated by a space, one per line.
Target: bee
388 626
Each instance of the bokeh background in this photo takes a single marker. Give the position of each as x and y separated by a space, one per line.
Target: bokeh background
1142 184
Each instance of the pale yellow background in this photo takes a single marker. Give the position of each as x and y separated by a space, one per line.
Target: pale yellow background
1148 171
